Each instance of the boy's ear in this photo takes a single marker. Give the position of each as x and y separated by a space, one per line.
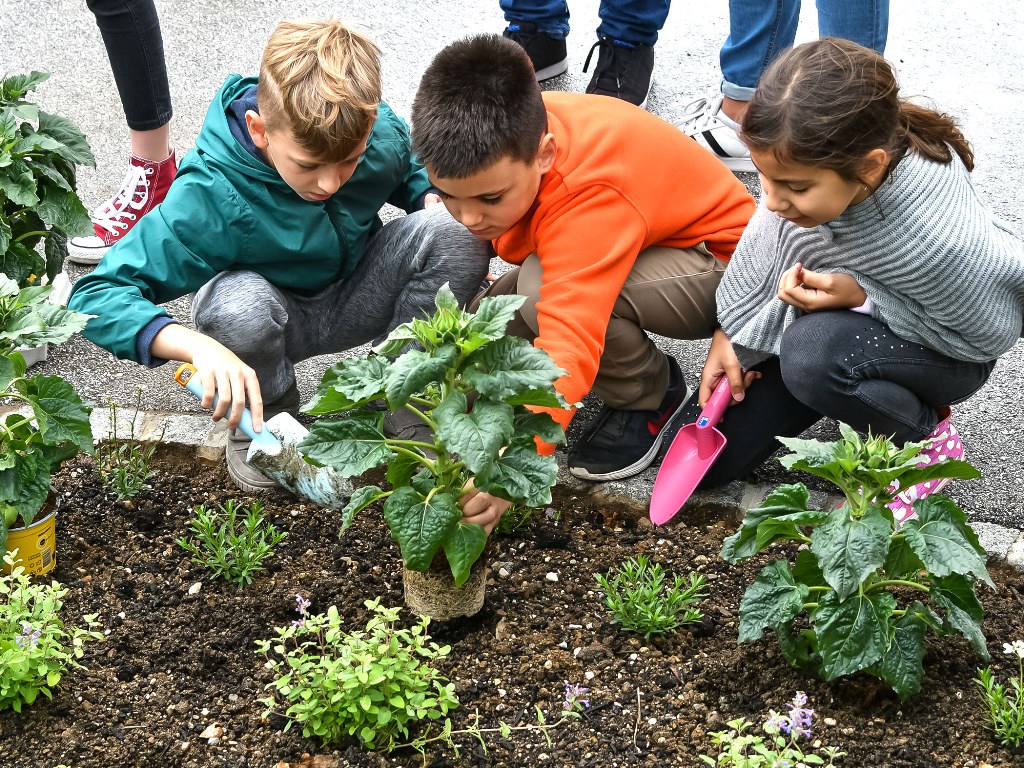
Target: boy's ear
546 152
257 129
874 166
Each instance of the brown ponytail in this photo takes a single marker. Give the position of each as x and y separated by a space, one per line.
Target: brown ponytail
830 102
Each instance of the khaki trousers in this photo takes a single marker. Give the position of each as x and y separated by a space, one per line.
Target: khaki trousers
669 292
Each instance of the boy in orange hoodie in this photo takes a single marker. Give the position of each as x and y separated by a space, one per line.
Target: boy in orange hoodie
619 225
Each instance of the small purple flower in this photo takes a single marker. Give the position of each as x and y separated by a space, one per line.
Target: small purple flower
28 636
574 700
301 604
299 623
777 722
799 717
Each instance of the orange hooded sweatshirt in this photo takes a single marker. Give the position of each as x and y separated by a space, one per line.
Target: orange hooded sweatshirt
623 180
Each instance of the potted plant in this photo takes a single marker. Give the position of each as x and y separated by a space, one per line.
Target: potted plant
868 588
51 427
473 386
39 208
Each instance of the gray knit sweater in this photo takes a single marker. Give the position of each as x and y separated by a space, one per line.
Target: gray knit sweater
939 268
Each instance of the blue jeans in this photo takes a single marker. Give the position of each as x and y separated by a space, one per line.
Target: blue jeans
844 366
636 21
760 29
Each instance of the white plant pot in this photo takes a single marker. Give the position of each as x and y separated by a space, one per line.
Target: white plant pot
59 295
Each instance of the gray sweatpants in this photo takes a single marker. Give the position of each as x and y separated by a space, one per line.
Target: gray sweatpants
405 264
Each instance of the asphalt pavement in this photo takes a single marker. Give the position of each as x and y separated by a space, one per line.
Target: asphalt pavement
963 55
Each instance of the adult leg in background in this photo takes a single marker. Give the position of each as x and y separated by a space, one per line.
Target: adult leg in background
625 48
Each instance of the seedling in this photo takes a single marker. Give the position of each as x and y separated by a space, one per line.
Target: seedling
231 546
641 601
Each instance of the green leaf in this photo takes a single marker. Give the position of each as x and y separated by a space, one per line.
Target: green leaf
401 470
538 398
5 234
18 183
848 549
55 248
463 547
955 595
938 536
361 498
520 474
783 501
800 648
901 560
510 366
526 426
8 373
63 210
419 524
853 633
351 446
773 600
411 373
27 484
493 316
807 571
75 147
476 436
13 88
349 383
901 666
59 411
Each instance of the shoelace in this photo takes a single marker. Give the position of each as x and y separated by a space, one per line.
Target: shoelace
615 65
133 194
700 115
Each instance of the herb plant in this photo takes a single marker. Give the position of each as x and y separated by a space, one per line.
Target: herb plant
641 601
471 384
54 426
782 746
861 580
1005 710
374 684
231 546
38 202
124 465
36 649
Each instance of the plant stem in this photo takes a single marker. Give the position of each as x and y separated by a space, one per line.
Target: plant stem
897 583
21 237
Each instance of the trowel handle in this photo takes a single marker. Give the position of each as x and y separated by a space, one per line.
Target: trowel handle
185 375
717 403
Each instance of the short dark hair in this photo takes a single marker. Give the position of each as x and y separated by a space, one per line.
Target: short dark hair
478 103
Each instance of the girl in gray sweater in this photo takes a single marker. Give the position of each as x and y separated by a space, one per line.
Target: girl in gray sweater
872 286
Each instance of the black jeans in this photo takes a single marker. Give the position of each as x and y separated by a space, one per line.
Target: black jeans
844 366
135 47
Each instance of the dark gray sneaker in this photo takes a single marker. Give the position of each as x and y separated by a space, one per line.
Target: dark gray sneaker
243 474
623 70
549 56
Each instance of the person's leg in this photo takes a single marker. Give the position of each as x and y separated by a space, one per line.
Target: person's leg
634 22
863 21
131 35
540 27
853 369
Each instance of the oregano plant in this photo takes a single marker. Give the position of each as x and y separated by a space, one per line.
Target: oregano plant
474 387
870 589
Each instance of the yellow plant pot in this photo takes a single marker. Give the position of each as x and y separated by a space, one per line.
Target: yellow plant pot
36 545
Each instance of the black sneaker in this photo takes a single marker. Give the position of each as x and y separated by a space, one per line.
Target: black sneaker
623 70
549 56
618 444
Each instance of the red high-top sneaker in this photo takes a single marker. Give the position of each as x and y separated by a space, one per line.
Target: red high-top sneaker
145 185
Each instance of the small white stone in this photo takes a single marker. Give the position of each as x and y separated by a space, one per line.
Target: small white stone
194 589
652 721
589 675
551 576
830 721
548 664
633 657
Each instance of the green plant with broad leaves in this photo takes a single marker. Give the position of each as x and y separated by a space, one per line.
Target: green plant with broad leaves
374 684
869 588
471 384
36 649
641 599
1005 707
233 546
38 203
54 424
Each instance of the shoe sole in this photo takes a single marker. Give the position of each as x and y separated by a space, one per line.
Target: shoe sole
556 69
247 486
640 464
85 256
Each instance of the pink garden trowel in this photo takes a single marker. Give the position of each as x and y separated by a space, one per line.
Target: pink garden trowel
693 451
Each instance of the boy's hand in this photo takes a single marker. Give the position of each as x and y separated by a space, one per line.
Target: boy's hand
482 508
722 361
817 291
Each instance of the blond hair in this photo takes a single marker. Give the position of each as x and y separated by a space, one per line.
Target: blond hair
320 80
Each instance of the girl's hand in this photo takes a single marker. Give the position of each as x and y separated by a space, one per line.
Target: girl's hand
817 291
722 361
482 508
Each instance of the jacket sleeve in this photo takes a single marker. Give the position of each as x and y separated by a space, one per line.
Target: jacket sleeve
586 250
172 251
408 195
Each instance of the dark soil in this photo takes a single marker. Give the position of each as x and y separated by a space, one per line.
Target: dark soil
175 664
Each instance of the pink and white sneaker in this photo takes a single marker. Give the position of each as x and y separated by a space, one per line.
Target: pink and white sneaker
144 186
943 443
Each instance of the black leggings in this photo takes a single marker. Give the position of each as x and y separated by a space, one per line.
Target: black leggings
135 47
844 366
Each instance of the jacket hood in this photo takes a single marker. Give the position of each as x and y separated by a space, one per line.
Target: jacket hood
218 144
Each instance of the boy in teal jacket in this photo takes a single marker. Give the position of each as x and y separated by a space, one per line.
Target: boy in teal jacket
273 223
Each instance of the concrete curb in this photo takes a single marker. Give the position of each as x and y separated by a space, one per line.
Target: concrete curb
188 431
